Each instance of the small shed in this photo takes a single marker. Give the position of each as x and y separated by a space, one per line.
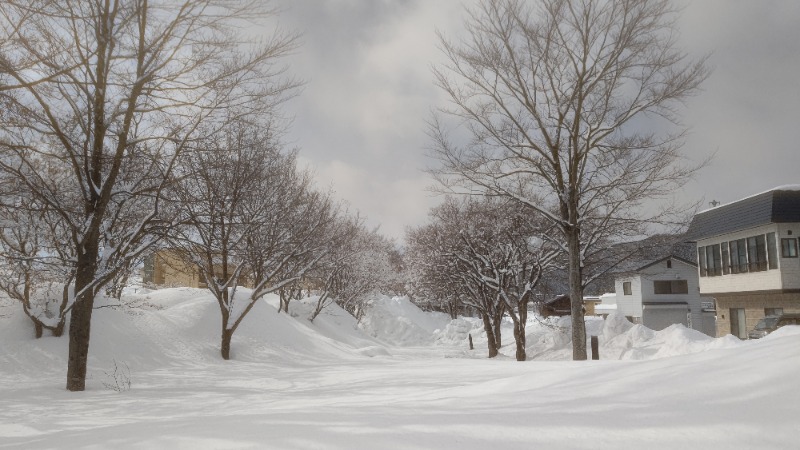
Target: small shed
556 306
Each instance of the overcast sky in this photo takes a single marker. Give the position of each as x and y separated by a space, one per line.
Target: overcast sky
360 120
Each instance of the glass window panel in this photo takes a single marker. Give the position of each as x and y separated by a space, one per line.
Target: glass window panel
742 255
662 287
701 257
726 267
680 287
789 248
772 251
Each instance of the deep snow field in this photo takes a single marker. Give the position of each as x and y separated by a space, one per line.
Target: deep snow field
402 379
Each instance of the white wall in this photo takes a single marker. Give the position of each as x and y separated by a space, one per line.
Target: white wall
629 305
790 267
679 271
744 282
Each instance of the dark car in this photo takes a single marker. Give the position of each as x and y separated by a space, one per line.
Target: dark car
769 324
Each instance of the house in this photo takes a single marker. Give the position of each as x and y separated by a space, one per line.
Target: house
607 305
747 254
661 293
590 302
167 268
559 305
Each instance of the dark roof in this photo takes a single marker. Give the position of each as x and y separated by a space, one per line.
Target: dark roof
775 206
672 257
654 249
557 298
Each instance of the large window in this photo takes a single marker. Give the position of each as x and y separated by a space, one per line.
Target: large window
670 287
726 267
772 251
701 260
789 248
752 254
713 260
626 288
738 256
757 253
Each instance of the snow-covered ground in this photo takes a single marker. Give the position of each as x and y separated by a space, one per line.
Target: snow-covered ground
403 379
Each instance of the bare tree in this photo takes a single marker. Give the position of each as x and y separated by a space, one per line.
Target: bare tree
453 275
431 280
356 268
290 240
571 109
32 271
506 253
114 91
225 191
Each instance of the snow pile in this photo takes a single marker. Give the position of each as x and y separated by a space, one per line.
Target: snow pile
181 327
295 384
457 331
397 321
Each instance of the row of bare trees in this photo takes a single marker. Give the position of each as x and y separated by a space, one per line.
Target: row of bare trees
482 253
131 124
568 109
100 101
247 215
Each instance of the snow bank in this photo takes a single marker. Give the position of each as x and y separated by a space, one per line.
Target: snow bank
619 339
181 327
457 331
397 321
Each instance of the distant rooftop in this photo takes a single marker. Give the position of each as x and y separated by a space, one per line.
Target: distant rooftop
778 205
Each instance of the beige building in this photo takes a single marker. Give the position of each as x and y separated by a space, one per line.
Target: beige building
167 268
747 255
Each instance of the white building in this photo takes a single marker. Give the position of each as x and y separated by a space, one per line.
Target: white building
664 292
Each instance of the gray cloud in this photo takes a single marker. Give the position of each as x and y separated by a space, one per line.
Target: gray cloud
360 118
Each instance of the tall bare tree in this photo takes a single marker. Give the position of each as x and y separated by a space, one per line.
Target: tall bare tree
114 91
506 253
571 110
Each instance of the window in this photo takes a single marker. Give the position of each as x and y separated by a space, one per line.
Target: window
772 251
701 261
738 256
670 287
775 312
669 264
757 253
726 267
713 260
789 248
626 288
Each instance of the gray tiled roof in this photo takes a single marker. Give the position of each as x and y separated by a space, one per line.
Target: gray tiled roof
775 206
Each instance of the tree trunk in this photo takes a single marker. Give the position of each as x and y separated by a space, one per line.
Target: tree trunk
576 295
490 339
81 321
498 321
519 339
225 347
58 330
38 328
